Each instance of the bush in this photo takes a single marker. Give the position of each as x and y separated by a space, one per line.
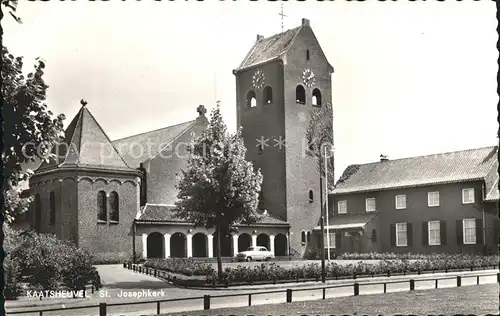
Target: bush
47 263
13 287
185 266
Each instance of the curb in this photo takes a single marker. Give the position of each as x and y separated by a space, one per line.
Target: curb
335 282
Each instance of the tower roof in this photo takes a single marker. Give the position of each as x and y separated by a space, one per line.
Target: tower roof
86 145
271 48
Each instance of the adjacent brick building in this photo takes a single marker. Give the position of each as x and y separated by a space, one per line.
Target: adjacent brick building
445 202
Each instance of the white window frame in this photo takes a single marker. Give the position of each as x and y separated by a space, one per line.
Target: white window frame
471 194
344 202
333 240
397 235
374 202
430 241
468 220
396 201
429 199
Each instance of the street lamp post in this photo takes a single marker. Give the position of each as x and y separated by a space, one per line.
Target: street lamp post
322 214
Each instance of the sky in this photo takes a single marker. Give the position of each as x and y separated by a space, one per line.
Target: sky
411 78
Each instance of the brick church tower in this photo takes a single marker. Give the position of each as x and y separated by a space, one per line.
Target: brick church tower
280 81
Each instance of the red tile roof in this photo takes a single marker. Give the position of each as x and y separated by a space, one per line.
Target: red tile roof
165 214
139 148
458 166
86 145
266 49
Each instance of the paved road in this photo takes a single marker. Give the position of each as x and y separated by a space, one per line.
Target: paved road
116 279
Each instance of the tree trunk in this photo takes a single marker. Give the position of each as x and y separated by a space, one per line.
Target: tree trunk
219 259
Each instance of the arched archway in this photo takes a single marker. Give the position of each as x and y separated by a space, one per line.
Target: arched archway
225 243
300 94
263 241
244 242
155 245
316 97
200 245
280 245
178 247
251 99
268 95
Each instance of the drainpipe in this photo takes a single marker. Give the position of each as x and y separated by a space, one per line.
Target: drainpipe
134 229
483 196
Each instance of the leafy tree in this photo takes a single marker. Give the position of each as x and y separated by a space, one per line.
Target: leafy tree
30 129
319 135
219 188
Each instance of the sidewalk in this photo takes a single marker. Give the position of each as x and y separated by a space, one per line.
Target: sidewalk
96 298
366 280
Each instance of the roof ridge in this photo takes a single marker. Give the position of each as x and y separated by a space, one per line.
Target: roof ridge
151 131
428 155
173 140
107 138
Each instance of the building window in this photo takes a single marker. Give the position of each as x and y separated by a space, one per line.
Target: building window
38 213
52 214
114 205
303 237
308 237
307 54
400 202
370 204
300 94
401 235
332 240
101 206
342 207
469 227
374 235
268 95
251 99
434 228
433 199
468 196
311 196
316 97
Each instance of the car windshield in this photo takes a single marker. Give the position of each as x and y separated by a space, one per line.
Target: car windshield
251 249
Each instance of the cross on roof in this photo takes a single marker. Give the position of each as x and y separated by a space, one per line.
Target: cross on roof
282 18
201 109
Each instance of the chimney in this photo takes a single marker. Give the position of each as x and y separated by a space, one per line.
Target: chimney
384 158
259 37
305 22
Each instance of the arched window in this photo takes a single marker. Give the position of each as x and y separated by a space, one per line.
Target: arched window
52 214
300 94
303 237
374 235
38 213
308 237
311 196
316 99
307 54
101 206
268 95
114 206
251 99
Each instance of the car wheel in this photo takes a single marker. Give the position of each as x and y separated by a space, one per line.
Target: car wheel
249 259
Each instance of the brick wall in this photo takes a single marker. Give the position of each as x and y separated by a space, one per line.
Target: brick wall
450 210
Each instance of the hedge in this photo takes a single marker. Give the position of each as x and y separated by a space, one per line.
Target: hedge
273 271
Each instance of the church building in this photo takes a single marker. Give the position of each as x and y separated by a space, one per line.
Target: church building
115 198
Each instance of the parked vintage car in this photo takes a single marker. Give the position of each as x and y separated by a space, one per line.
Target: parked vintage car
255 253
